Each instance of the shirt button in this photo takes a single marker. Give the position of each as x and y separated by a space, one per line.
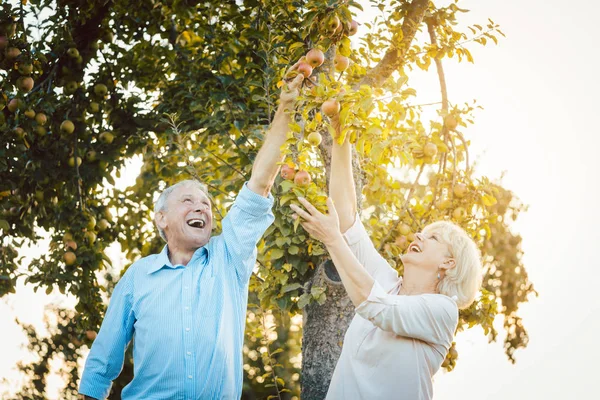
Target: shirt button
189 353
187 329
189 377
187 308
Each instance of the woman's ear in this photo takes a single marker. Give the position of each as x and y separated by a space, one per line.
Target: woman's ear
448 264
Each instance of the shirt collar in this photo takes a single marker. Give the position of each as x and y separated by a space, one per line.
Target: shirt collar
162 260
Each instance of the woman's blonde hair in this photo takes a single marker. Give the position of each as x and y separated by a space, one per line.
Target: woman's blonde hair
464 280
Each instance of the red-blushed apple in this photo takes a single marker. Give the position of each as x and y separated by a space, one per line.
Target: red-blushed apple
71 244
12 53
20 132
302 178
287 172
41 119
15 104
315 57
353 28
330 107
25 83
91 335
70 258
305 69
341 62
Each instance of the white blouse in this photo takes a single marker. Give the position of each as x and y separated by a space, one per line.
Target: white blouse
395 343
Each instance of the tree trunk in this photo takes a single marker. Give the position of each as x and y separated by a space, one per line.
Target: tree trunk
325 325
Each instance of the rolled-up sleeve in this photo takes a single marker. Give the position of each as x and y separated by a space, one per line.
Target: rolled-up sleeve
362 247
431 318
243 226
105 360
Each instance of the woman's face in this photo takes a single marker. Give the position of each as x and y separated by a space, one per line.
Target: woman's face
428 251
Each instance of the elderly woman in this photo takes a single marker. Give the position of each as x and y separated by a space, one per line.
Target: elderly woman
403 327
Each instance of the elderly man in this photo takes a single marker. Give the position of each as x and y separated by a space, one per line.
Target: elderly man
186 306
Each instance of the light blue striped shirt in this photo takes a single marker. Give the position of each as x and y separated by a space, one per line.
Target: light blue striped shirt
187 323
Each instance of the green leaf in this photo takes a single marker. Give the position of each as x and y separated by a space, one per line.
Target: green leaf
276 254
304 300
290 287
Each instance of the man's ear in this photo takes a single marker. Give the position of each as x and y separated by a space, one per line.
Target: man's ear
161 220
448 264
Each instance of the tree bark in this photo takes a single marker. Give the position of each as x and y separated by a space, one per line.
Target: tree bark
325 325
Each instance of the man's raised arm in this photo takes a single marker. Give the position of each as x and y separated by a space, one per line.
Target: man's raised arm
265 167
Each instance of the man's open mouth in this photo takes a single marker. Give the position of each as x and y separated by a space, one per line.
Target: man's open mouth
196 223
414 248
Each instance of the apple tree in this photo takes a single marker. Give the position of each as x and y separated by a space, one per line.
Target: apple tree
187 89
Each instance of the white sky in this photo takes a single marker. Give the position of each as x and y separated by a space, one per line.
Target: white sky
540 91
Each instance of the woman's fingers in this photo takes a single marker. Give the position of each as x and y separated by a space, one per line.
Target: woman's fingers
331 207
309 207
300 211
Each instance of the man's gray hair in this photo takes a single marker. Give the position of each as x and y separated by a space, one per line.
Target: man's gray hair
161 202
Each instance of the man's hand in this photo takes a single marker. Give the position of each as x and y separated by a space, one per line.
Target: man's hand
291 89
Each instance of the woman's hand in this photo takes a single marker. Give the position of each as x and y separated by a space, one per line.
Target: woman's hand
325 228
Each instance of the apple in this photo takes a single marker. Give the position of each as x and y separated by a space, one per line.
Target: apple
70 258
12 53
450 122
305 69
404 229
332 23
71 87
302 178
73 52
90 156
287 172
91 223
71 161
314 138
460 190
108 36
94 107
15 104
103 225
353 28
90 237
41 119
100 89
340 62
20 132
25 68
67 127
40 130
459 214
67 236
106 137
39 195
91 335
315 57
330 107
71 244
29 114
25 83
430 150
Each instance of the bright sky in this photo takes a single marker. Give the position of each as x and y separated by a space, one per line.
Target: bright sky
540 91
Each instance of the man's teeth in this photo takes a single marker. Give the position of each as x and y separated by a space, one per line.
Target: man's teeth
196 223
415 248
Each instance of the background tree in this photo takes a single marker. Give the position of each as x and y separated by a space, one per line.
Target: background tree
189 88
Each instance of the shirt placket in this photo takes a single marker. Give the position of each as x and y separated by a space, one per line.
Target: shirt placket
188 334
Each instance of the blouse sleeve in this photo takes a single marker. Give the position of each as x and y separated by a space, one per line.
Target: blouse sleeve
431 318
363 249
